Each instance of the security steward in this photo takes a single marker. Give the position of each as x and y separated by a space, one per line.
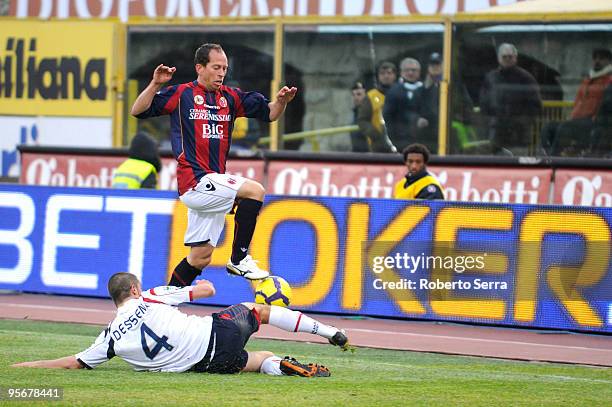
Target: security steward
418 183
141 168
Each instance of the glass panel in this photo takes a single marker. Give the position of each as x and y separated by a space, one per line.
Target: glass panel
250 52
326 61
544 101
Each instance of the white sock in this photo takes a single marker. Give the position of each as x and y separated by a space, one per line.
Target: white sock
295 321
271 366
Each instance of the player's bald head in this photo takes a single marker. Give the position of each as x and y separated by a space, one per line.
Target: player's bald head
120 286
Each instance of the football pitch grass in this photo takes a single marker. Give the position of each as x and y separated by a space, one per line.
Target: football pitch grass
368 377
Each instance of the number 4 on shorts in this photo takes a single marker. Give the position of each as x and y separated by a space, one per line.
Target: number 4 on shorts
160 342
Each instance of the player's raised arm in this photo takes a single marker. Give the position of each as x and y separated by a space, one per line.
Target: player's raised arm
171 295
161 75
68 362
284 96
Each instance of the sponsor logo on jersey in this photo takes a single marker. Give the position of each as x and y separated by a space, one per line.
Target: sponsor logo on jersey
231 181
223 102
198 99
211 130
165 290
203 114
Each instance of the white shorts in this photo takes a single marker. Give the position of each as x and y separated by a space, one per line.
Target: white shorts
207 205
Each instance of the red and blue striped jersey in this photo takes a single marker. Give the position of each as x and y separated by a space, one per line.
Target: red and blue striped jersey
201 124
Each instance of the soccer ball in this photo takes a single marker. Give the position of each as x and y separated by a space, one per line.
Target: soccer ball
273 291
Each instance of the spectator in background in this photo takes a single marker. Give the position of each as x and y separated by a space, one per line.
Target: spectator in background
572 137
141 168
463 132
403 105
428 124
601 135
359 142
418 182
510 97
369 114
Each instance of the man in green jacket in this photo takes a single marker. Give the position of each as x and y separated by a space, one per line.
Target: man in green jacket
141 168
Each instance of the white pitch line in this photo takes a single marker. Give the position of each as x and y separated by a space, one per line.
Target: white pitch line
58 308
462 338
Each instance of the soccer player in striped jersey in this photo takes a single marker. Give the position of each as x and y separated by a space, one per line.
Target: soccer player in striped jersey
150 334
202 114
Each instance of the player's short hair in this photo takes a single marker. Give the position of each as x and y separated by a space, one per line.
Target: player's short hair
416 148
201 54
119 286
358 85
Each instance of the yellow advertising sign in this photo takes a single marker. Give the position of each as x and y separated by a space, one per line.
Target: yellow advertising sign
56 68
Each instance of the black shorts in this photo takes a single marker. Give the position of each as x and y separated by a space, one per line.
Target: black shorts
231 330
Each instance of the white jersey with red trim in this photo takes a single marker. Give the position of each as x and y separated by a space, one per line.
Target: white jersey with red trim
150 333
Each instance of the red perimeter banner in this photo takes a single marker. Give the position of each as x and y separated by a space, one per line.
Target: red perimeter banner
97 170
477 184
583 187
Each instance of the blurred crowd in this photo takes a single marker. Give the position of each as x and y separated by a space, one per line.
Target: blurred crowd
402 108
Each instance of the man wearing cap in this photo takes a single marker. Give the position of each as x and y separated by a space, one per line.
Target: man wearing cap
428 124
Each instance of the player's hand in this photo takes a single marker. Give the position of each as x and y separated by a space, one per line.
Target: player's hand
198 282
203 289
286 94
163 74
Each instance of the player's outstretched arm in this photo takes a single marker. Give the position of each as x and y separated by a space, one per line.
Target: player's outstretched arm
203 289
161 75
284 96
68 362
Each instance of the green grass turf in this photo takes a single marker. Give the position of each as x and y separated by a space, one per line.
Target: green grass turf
368 377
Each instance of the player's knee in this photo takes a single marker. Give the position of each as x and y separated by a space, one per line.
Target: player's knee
259 191
252 190
264 312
